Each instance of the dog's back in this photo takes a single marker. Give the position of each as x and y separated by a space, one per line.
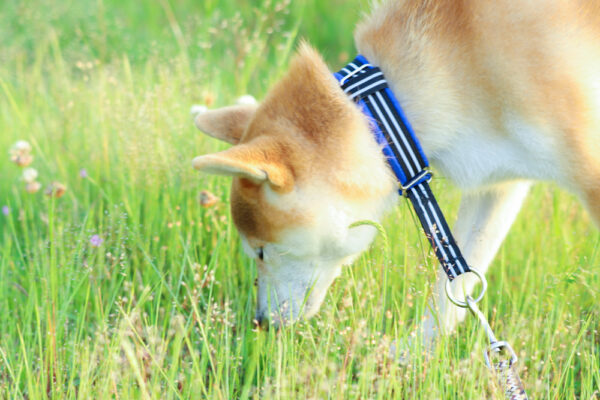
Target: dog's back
522 78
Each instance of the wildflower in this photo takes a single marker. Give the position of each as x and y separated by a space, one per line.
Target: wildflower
96 240
55 189
83 173
33 187
22 146
207 199
20 153
30 175
245 100
5 210
22 160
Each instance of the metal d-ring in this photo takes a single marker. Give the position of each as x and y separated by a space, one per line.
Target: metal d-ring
463 304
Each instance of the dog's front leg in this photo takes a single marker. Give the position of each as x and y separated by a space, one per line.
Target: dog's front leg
484 219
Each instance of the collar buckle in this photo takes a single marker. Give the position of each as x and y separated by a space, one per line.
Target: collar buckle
416 180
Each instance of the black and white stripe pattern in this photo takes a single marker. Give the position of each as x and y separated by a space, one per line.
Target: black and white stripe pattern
437 231
367 86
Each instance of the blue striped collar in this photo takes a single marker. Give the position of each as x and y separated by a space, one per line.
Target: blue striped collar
367 86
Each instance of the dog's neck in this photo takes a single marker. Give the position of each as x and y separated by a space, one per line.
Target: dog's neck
420 70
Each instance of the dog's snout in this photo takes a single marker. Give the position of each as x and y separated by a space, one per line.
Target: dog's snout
262 322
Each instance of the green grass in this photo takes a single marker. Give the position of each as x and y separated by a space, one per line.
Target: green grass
162 308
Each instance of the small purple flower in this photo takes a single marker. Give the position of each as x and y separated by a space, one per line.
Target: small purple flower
83 173
5 210
96 241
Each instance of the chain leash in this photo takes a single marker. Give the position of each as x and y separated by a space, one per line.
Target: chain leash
504 369
509 378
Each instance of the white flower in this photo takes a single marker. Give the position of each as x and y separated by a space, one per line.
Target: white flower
21 147
30 175
20 153
245 100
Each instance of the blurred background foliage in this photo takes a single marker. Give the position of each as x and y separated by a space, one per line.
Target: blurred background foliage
246 33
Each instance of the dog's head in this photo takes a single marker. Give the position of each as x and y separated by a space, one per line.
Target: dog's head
304 167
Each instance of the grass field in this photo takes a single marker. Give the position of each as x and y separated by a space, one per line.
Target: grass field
125 287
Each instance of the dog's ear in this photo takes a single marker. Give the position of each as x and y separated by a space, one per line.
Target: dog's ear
227 123
250 160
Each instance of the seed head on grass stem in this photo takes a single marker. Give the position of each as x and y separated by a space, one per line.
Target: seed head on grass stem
377 226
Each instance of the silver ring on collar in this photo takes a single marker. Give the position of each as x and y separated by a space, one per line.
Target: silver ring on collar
463 304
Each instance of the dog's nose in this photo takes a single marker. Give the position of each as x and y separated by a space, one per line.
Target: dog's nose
261 322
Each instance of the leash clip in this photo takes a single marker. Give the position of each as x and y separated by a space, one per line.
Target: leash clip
496 346
505 370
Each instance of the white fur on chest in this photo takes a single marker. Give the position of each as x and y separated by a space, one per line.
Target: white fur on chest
475 155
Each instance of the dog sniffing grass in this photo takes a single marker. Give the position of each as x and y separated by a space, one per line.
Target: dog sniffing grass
126 287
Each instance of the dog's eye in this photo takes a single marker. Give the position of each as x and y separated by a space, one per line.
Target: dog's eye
260 253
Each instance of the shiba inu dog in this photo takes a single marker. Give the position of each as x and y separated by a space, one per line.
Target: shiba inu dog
499 93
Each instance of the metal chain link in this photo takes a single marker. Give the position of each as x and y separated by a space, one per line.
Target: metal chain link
509 380
505 369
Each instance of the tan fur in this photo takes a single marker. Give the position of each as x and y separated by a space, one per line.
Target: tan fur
498 92
227 124
261 160
498 56
256 217
296 132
